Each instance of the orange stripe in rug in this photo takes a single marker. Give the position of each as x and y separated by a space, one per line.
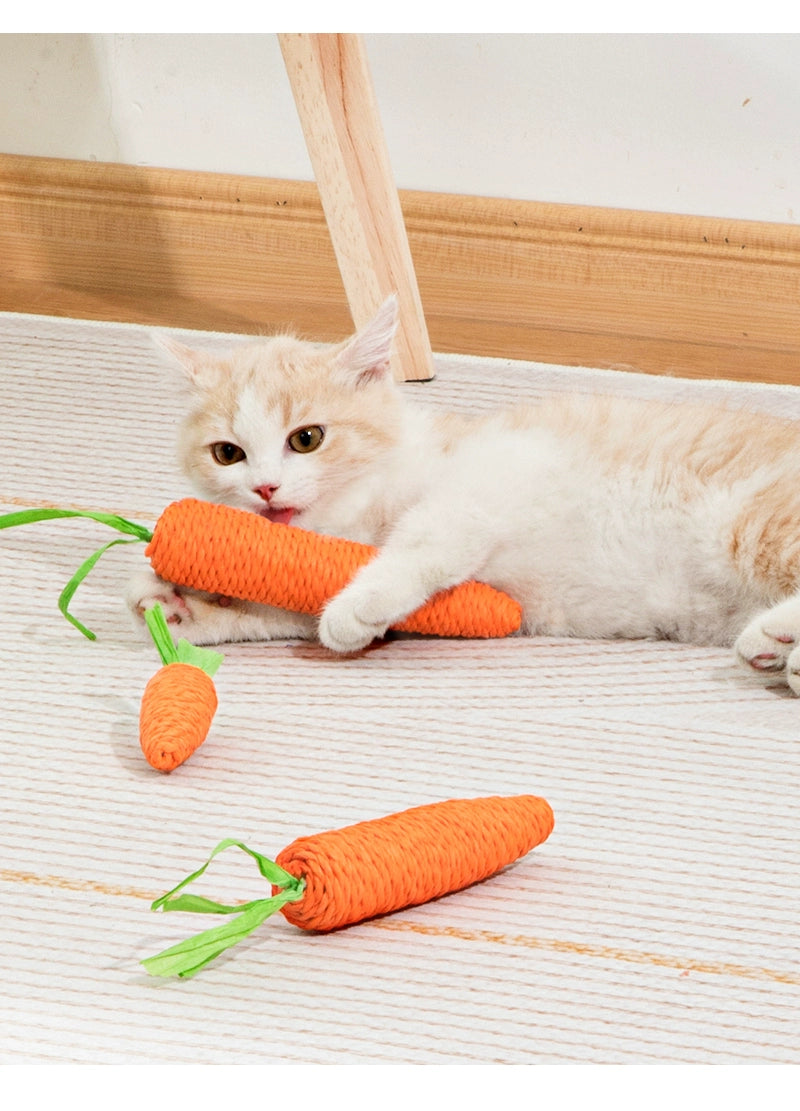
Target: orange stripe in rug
62 883
584 949
403 925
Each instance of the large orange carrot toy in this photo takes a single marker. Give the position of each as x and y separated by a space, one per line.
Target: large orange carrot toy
232 552
229 551
345 876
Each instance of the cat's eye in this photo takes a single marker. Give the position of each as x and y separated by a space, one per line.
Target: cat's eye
306 439
226 453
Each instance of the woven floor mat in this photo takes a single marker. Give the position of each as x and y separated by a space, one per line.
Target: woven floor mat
657 924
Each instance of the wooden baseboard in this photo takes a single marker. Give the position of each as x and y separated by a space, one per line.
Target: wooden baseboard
660 293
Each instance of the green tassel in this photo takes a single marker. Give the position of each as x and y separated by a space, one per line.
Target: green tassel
129 528
189 956
183 652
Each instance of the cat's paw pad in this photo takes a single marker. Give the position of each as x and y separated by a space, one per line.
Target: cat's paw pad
345 628
147 590
768 646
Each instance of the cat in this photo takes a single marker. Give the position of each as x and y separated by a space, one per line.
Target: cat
604 517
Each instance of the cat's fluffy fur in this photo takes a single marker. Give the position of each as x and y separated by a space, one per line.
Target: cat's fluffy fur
602 517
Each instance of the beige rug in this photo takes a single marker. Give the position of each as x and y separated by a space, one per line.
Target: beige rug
657 924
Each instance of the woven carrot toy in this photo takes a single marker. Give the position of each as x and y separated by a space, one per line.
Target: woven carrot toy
238 554
230 551
179 701
345 876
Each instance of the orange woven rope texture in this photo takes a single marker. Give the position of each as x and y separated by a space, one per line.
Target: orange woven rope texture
406 859
175 716
239 554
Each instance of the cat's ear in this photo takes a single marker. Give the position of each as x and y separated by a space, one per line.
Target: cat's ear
365 357
198 366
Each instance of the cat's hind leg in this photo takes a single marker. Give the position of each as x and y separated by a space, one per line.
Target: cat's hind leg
145 590
212 618
770 644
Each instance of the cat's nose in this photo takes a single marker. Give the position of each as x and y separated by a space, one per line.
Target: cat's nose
265 492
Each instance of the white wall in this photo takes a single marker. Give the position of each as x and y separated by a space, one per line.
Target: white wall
705 124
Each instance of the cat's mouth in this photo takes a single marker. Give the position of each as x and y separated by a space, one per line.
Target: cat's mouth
277 516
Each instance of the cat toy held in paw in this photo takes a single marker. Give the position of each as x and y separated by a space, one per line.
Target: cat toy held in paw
345 876
238 554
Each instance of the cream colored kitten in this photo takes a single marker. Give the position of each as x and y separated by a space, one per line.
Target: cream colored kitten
602 517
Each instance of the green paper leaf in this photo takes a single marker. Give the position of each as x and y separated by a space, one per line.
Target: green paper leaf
189 956
121 524
66 595
271 872
183 652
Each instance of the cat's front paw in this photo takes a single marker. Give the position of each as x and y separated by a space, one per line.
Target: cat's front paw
347 624
770 645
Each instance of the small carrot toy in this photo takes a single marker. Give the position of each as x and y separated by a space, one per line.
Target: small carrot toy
238 554
179 701
345 876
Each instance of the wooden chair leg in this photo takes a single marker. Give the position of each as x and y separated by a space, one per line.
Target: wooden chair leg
331 83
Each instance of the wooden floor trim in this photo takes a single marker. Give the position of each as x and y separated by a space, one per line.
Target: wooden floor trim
568 284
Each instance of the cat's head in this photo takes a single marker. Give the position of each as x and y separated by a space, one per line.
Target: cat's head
283 427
